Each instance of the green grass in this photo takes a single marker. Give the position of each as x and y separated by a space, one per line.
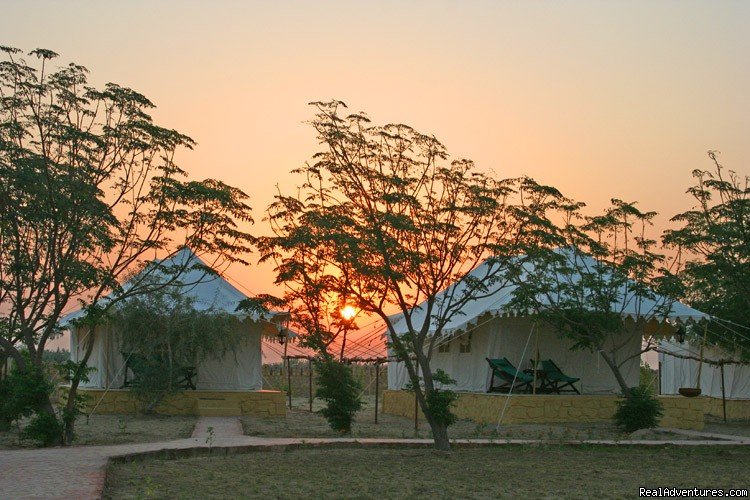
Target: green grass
507 471
117 429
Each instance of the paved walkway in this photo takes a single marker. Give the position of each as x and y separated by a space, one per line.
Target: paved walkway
79 471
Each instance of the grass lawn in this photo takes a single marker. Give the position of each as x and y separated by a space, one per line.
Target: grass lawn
299 422
117 429
505 471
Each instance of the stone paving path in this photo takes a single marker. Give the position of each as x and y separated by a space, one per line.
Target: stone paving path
79 471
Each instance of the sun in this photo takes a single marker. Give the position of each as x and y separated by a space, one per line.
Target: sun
348 312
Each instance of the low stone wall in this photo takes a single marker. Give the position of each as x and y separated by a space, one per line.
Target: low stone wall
737 409
679 412
208 403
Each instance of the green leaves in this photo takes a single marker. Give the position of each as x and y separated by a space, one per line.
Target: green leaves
715 238
90 190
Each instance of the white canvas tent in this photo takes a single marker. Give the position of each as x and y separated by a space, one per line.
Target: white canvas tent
677 372
486 328
237 370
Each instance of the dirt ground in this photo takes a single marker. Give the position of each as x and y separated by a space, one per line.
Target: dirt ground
299 422
116 429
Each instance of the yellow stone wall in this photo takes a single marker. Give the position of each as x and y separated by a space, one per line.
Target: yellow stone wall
679 412
737 409
258 403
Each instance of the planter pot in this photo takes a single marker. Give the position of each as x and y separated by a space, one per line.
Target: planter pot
689 392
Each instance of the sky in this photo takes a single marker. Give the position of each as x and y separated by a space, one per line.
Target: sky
601 99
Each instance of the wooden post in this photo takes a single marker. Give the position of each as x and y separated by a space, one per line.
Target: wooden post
288 374
536 362
700 363
723 394
416 405
659 373
377 388
309 381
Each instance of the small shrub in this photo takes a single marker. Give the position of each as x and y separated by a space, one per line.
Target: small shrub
640 410
341 391
44 428
22 393
153 380
440 400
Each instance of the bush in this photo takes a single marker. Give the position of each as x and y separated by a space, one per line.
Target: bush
23 393
341 391
440 401
639 410
153 380
45 428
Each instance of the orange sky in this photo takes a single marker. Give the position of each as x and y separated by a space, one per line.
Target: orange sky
600 99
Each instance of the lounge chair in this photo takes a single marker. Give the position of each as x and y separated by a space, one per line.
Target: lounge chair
509 377
554 380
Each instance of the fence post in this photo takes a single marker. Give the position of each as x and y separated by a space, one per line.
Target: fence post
309 381
723 394
377 388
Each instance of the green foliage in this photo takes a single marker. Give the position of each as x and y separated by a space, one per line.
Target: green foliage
587 271
639 410
440 401
23 393
153 380
44 428
341 391
384 219
57 356
715 237
90 190
163 335
648 377
71 410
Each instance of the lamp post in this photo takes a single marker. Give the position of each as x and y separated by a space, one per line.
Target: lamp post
283 338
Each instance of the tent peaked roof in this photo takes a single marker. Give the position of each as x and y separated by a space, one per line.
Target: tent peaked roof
206 288
498 297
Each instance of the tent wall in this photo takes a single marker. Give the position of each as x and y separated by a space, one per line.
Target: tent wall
507 337
105 358
678 372
238 369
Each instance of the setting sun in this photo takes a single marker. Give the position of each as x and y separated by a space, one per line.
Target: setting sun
348 312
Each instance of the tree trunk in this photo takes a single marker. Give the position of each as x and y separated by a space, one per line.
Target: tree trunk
440 435
616 371
69 417
439 429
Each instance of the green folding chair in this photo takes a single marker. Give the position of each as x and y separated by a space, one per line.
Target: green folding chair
508 376
555 380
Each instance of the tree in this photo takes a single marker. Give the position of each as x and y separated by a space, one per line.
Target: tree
714 239
164 335
383 221
589 272
90 191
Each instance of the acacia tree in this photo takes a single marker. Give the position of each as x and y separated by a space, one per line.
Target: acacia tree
387 222
590 274
714 238
89 191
